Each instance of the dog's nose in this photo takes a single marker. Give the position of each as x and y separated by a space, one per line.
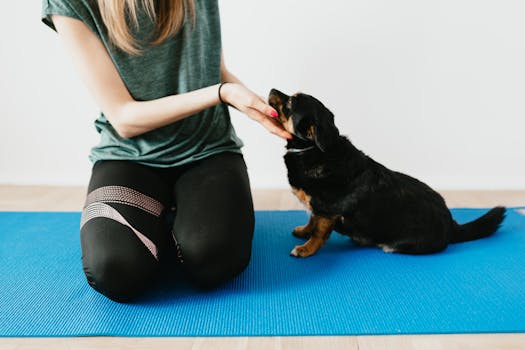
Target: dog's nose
278 94
275 92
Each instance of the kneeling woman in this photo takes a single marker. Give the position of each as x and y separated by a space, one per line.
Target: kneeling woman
167 146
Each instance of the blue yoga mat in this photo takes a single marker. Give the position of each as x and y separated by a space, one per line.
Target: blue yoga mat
472 287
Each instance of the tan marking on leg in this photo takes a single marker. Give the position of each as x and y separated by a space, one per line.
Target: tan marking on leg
306 230
322 229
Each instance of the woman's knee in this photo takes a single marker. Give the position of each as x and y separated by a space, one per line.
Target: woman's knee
116 278
121 270
210 264
215 272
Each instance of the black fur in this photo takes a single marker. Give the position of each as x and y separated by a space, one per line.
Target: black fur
371 203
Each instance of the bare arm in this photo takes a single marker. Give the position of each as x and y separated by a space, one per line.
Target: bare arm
129 117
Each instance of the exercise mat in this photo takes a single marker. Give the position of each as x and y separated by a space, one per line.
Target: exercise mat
472 287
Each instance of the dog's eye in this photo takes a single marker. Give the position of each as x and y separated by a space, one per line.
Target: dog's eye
289 103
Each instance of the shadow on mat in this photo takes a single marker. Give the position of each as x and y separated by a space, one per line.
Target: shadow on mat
271 270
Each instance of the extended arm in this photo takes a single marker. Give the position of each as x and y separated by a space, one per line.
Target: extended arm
130 117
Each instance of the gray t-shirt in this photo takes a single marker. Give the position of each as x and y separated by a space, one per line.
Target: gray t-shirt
187 61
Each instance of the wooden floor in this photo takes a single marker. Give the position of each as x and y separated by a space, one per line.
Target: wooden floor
41 198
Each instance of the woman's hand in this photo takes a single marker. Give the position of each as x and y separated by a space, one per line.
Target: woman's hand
254 107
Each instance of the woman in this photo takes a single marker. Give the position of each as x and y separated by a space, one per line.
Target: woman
167 147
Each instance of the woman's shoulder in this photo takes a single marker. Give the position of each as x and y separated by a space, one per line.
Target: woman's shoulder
77 6
79 9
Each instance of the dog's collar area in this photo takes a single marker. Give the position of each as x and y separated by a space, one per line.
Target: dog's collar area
299 150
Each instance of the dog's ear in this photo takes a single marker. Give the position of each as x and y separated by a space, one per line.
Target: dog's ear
324 133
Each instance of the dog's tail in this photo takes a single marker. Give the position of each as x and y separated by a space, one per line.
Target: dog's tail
482 227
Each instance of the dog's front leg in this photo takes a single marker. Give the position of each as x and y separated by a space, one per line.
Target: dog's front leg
306 230
321 227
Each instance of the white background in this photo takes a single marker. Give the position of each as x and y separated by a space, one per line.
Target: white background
435 89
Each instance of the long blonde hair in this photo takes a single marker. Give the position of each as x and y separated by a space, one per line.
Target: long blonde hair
169 18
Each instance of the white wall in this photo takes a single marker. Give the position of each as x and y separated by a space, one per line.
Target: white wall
435 89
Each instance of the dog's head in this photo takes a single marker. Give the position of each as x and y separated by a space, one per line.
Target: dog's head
305 117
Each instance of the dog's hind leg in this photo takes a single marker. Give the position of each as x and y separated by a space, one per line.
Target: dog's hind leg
306 230
322 227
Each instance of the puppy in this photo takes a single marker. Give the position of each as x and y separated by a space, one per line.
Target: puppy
349 192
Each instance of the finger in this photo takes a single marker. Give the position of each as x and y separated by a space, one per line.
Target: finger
265 101
285 133
268 123
265 108
275 129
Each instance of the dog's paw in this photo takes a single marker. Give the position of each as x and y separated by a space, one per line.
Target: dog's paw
300 232
301 251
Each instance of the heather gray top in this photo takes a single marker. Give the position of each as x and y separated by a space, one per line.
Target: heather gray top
188 61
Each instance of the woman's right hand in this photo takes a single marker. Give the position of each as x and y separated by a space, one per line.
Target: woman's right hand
246 101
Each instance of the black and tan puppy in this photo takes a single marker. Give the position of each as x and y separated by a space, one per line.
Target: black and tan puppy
349 192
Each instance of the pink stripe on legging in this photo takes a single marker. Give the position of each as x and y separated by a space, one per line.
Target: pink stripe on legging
125 195
98 209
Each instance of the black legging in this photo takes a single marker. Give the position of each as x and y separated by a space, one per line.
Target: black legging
126 231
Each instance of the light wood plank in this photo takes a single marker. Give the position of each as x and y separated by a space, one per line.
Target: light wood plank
54 198
41 198
393 342
444 342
